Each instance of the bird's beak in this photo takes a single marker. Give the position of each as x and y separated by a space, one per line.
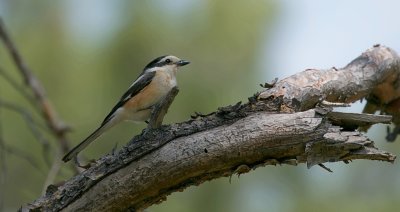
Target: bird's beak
182 62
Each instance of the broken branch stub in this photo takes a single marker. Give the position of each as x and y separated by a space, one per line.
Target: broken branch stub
160 109
175 157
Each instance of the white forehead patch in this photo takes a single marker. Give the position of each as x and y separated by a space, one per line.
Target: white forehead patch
170 57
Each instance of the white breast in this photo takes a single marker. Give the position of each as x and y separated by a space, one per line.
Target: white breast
165 80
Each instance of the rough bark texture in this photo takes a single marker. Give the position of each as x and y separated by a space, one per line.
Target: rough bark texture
373 75
282 124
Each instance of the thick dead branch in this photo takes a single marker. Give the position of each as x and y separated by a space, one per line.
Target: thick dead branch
270 129
374 75
377 67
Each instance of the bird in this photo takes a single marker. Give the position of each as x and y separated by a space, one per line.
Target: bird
151 86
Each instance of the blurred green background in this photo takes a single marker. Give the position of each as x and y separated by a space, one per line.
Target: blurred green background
86 53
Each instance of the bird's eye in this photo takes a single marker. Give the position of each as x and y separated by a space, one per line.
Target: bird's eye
167 60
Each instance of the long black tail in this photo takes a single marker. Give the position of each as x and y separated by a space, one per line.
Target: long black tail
71 154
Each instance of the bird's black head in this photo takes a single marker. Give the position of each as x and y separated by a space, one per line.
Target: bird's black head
155 62
166 60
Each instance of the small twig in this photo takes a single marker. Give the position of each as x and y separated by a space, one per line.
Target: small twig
17 87
57 126
23 155
324 167
352 121
159 110
32 125
49 114
55 168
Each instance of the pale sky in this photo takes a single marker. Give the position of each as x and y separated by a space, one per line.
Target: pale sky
322 34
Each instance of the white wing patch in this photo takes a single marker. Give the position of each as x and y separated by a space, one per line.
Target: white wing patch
137 80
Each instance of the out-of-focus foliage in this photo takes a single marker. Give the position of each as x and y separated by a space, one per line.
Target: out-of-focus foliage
86 53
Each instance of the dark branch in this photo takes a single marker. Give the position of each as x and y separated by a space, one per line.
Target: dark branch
280 125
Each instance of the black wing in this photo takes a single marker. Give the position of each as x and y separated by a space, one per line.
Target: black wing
146 78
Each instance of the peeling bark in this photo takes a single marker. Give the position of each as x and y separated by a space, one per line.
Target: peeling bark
282 124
